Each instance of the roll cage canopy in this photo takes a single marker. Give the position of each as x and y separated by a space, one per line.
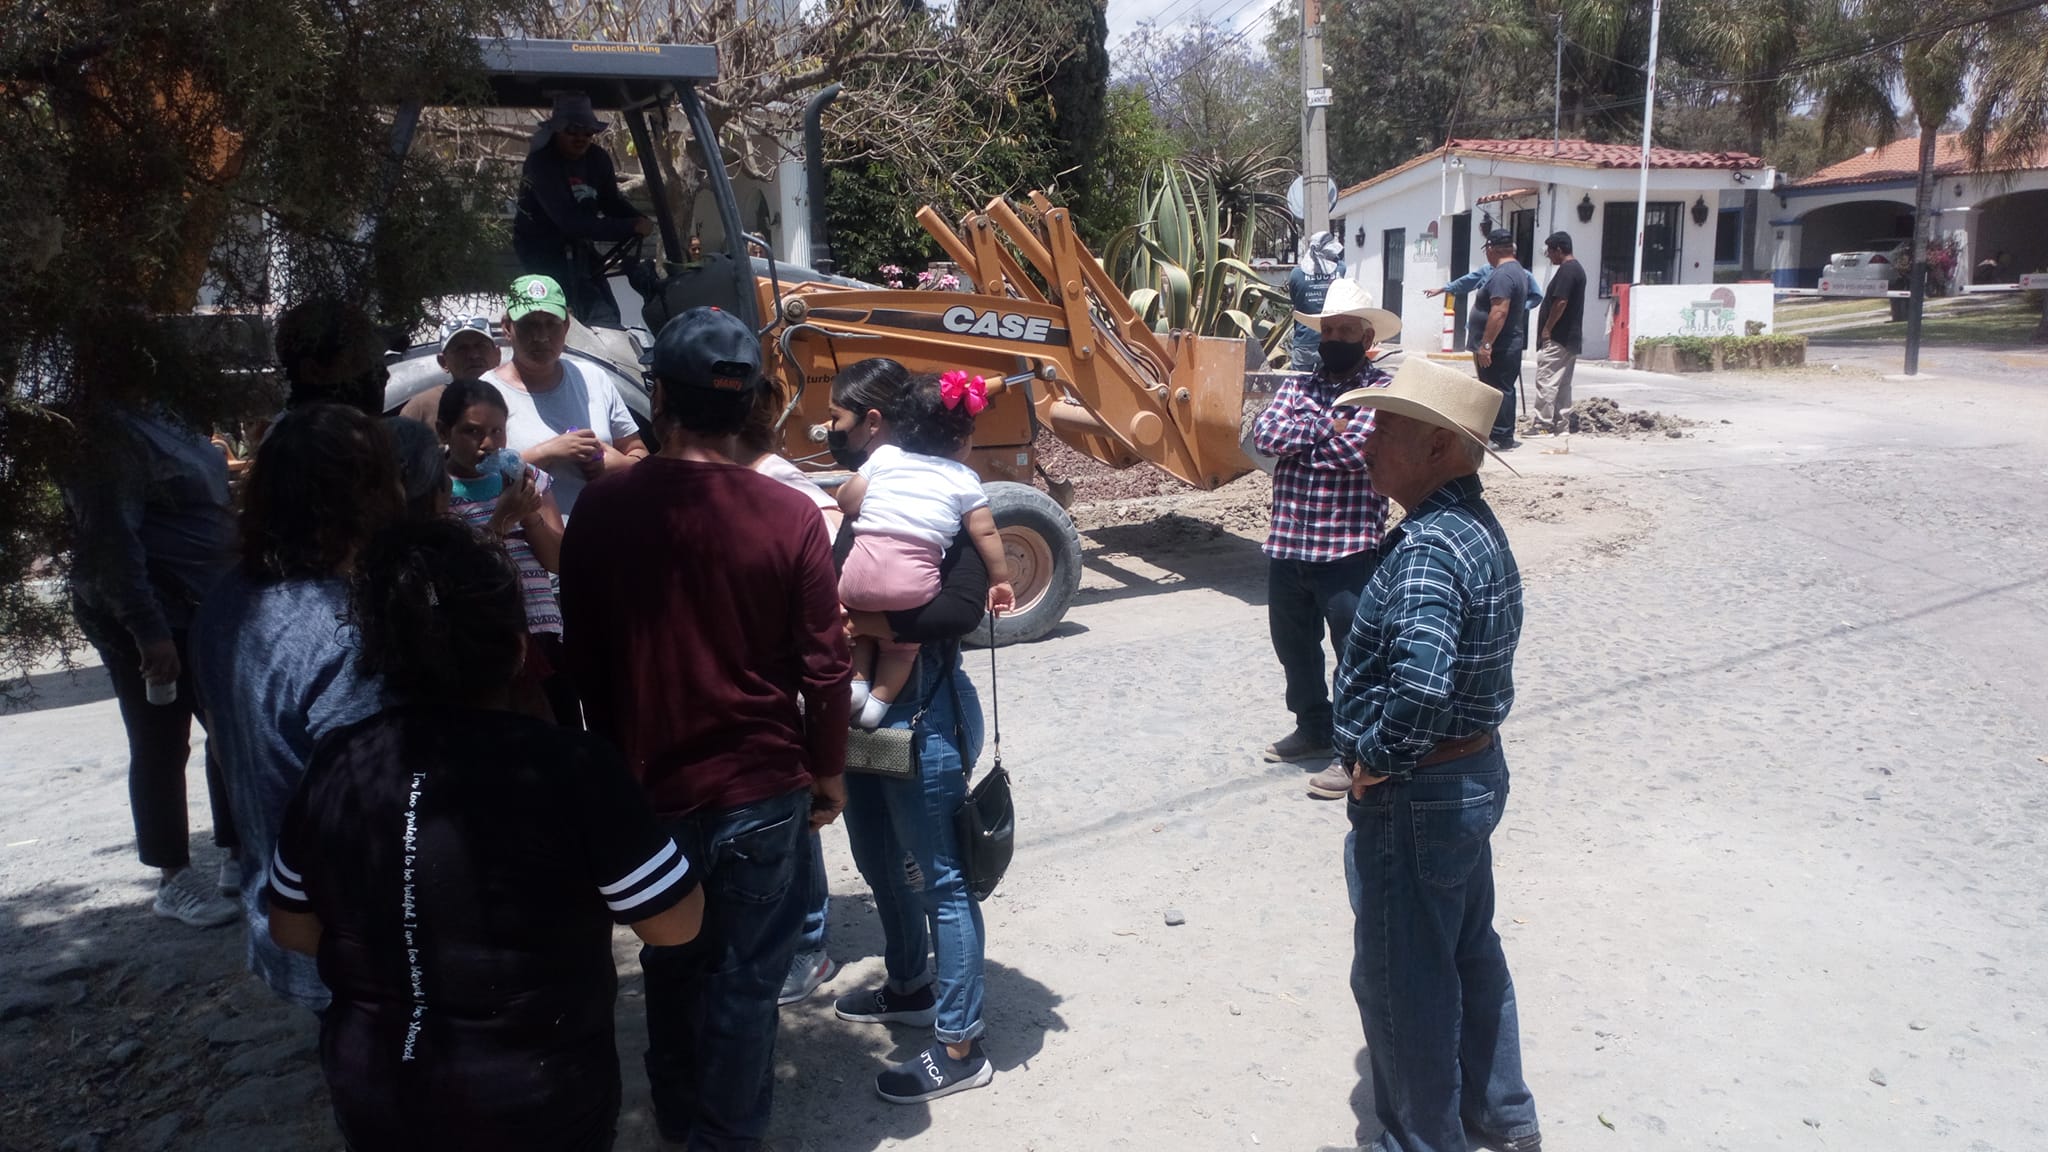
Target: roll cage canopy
630 80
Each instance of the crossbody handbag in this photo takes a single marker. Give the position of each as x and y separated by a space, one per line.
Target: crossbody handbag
892 753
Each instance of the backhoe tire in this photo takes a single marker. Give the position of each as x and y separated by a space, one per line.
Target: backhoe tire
1045 561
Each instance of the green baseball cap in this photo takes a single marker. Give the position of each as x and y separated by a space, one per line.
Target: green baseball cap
536 294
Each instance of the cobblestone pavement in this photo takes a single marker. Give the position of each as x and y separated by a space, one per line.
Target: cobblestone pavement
1771 875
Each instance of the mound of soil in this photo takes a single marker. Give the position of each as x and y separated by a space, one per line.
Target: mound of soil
1600 416
1094 480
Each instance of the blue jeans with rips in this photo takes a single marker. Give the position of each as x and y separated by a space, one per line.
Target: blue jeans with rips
903 841
1428 972
711 1011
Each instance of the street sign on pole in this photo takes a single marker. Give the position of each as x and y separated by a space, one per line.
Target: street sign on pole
1319 98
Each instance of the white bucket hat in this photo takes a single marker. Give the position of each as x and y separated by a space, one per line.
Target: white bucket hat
1346 298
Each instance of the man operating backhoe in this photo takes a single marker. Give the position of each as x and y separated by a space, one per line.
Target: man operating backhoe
569 202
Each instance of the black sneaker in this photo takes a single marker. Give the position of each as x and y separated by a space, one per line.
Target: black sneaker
933 1073
882 1006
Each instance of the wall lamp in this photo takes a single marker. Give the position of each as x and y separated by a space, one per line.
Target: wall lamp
1586 208
1699 210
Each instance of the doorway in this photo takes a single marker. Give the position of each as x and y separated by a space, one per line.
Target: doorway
1522 222
1393 268
1461 263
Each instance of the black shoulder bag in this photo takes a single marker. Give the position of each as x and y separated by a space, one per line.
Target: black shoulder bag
986 824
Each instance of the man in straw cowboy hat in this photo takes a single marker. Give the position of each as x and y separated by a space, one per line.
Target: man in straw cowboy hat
1326 515
569 200
1422 688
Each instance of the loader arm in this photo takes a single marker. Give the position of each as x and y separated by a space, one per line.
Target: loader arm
1067 350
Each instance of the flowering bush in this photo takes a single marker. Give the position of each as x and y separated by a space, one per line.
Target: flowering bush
942 283
892 275
1941 265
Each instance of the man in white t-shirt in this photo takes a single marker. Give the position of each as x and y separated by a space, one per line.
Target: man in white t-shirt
570 423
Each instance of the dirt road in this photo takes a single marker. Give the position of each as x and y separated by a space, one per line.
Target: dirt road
1771 875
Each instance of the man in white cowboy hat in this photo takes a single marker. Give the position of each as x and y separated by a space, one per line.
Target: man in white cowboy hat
1422 688
1326 515
569 201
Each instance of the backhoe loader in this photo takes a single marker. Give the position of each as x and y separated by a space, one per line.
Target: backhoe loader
1043 323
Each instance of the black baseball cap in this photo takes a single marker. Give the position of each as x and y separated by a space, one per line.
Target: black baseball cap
707 348
1500 238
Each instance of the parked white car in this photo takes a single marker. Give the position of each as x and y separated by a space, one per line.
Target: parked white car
1872 264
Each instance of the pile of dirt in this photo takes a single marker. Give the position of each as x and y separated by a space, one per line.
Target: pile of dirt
1600 416
1094 480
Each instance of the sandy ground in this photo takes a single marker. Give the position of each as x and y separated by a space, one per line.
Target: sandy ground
1771 875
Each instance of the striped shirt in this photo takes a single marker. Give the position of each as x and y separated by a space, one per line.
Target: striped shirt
1431 654
1324 506
543 611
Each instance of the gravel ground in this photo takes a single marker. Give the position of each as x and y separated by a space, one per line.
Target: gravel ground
1770 877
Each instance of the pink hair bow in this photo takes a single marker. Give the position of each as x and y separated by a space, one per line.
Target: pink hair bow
956 386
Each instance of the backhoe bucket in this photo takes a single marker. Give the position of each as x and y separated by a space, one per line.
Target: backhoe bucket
1209 372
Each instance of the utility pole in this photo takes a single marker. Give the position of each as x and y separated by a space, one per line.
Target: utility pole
1557 87
1649 115
1315 103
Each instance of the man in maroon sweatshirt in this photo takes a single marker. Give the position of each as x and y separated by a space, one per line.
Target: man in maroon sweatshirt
701 622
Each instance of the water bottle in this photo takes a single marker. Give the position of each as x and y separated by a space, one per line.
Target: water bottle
505 462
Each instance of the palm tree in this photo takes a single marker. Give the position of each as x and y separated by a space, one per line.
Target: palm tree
1931 69
1756 43
2008 126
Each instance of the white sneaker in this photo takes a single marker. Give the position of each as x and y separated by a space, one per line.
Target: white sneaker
807 973
188 898
231 877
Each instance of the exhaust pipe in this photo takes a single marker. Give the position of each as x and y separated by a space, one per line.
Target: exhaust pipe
814 176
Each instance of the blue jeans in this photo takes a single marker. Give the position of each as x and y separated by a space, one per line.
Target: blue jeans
1428 973
1503 373
903 841
1303 599
817 900
711 1012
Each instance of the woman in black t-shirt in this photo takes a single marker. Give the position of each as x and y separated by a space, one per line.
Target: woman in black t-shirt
458 867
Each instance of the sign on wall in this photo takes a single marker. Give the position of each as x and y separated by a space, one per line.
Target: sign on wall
1700 309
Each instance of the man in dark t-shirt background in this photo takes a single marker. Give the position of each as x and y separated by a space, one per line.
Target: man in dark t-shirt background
1499 329
702 626
1561 335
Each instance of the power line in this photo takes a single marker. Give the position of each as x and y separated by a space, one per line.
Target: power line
1158 85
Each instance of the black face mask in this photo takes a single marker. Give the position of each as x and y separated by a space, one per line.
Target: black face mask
844 454
1341 357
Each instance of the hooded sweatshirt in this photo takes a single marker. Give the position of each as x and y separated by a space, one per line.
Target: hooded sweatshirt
1321 263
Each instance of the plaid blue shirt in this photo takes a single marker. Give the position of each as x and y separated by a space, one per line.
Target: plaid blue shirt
1431 655
1324 506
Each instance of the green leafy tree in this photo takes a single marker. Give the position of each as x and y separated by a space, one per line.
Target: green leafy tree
158 148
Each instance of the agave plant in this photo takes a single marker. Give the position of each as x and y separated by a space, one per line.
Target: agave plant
1182 267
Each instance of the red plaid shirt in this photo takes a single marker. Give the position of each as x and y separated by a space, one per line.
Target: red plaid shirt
1324 507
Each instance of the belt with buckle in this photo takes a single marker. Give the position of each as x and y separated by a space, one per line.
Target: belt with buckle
1453 749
